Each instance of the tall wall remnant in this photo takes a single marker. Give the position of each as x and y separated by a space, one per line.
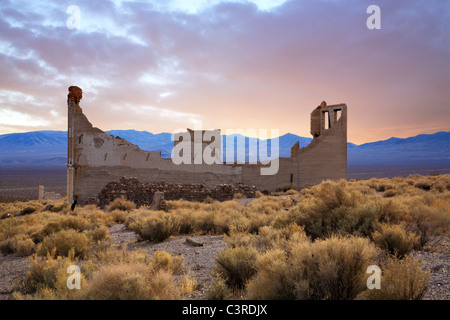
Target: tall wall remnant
95 158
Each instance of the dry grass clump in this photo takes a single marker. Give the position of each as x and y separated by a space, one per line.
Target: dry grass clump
156 226
26 234
183 204
214 218
326 269
331 209
284 187
163 260
285 264
395 240
236 266
134 275
291 192
239 195
131 282
47 278
428 222
121 204
21 244
401 280
113 274
267 205
63 242
219 289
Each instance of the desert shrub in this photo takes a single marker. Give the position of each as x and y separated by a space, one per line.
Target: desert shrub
205 221
219 289
94 215
439 187
47 278
337 267
395 240
63 242
256 221
20 243
291 192
188 284
188 220
61 207
9 228
131 282
390 210
423 184
320 222
121 204
208 200
119 216
266 205
123 256
63 223
25 247
163 260
18 208
236 265
182 204
270 238
401 280
390 193
259 194
239 195
156 227
28 210
98 233
428 222
278 278
112 274
7 246
222 218
333 268
283 187
380 185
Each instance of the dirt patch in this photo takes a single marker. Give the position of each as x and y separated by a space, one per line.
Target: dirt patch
438 263
12 268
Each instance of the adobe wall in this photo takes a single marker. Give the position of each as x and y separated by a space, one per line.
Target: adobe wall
96 158
326 156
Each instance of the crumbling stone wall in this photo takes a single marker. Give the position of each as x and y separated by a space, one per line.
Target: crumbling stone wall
142 193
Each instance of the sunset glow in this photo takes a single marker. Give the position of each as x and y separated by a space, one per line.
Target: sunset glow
163 65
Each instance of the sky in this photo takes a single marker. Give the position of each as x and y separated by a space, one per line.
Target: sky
162 66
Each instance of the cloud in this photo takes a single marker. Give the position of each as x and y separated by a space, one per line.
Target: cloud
238 64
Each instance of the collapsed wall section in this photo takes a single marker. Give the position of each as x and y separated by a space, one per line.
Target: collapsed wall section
96 158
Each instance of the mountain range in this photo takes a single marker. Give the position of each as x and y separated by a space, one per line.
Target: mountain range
49 149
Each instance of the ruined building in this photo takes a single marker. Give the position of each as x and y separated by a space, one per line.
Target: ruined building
96 158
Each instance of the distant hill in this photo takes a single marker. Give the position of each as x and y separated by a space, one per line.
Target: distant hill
423 149
49 148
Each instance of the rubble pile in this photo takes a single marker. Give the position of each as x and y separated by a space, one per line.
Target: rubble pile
142 193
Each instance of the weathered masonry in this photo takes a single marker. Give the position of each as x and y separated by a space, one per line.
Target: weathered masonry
95 158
